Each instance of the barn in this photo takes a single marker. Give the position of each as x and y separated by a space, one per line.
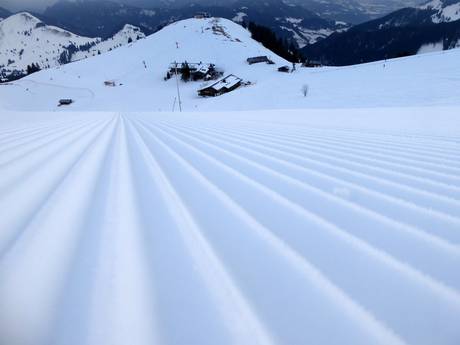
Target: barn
224 85
65 101
259 59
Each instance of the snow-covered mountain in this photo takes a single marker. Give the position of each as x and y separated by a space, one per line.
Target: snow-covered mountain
287 21
433 26
354 11
101 18
138 73
445 10
26 40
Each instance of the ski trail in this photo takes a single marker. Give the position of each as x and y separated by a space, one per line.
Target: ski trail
410 278
33 130
446 226
52 175
176 307
245 327
364 321
41 254
444 248
22 150
121 297
18 141
20 168
236 228
366 163
429 199
397 150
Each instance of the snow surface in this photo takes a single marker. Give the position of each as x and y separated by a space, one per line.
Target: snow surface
428 79
275 227
431 47
333 223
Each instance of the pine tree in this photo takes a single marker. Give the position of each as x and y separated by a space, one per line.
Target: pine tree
33 68
186 73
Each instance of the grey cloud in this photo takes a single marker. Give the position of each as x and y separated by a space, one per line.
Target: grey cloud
18 5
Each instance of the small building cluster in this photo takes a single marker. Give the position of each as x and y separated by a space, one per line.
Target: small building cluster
224 85
207 71
193 71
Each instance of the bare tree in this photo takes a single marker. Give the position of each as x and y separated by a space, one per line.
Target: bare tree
305 89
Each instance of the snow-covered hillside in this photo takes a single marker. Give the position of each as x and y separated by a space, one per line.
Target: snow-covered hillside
138 71
326 227
446 10
25 40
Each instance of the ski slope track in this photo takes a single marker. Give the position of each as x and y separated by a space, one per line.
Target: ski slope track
268 227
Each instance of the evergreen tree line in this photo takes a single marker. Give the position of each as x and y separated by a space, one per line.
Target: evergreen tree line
33 68
268 38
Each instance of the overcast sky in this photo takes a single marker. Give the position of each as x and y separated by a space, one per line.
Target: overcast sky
16 5
36 5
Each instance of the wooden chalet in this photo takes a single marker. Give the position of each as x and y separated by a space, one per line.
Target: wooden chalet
65 101
259 59
224 85
284 69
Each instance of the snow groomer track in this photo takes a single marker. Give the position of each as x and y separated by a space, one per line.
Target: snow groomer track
299 227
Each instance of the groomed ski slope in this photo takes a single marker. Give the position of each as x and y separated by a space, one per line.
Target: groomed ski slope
282 227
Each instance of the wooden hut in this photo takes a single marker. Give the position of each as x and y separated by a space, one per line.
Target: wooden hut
224 85
284 69
259 59
65 101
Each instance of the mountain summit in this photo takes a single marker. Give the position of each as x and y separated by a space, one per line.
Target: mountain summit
25 41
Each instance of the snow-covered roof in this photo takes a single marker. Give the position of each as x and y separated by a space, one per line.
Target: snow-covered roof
227 82
203 69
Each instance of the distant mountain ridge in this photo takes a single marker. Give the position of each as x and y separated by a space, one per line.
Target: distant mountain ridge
25 41
104 18
408 31
354 11
4 13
